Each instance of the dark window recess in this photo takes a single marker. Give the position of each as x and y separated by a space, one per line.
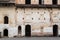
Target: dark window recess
23 18
5 20
54 2
32 18
28 30
55 30
27 1
40 1
19 30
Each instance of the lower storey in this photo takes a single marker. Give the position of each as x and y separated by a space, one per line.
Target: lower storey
26 30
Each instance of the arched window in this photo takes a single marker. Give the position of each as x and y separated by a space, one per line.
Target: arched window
5 20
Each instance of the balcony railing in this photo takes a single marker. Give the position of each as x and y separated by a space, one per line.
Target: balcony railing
37 6
4 0
7 1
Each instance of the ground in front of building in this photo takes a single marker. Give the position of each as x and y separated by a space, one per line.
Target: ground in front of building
32 38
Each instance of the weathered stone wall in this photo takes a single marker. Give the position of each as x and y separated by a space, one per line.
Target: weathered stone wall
34 1
55 18
48 2
20 1
40 19
58 2
36 17
10 12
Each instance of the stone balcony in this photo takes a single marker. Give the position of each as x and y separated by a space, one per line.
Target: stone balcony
37 6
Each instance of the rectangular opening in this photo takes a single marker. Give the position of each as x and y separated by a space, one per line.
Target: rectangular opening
55 30
40 2
54 2
27 1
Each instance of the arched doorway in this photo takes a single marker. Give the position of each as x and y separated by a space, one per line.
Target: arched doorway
5 32
28 30
6 20
19 29
55 30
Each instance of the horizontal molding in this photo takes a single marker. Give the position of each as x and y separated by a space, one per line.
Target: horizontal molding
30 5
37 6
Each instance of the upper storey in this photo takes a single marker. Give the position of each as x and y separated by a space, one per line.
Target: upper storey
33 3
7 1
38 3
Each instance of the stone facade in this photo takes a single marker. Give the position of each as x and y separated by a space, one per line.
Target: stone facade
29 21
41 20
